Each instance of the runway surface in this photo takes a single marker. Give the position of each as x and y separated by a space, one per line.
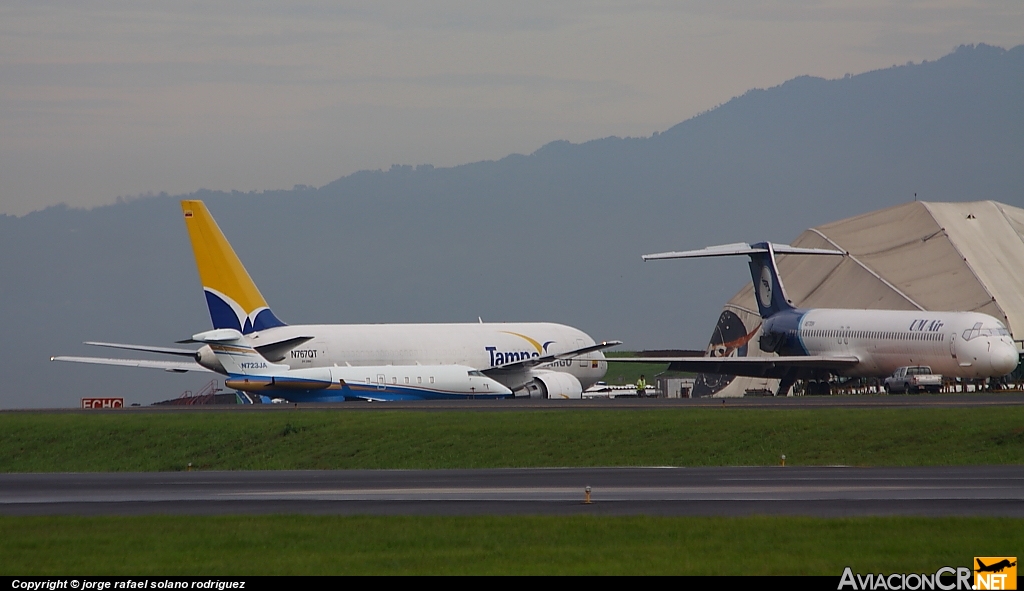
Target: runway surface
813 491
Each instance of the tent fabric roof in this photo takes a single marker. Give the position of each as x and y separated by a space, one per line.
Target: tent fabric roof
919 255
929 256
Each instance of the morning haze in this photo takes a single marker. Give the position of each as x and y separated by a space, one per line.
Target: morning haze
554 235
110 98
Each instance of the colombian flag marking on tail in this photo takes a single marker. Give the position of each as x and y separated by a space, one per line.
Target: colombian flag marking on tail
232 297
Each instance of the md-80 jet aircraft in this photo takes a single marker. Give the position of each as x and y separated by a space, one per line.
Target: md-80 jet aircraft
327 362
819 342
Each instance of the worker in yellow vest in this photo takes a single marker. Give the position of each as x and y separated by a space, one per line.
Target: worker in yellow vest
641 387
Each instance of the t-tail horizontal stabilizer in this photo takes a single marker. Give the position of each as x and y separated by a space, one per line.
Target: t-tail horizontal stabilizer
768 289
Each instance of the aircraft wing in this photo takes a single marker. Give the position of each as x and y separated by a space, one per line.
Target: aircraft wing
175 366
535 361
758 367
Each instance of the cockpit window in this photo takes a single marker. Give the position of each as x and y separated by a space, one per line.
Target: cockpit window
988 331
475 372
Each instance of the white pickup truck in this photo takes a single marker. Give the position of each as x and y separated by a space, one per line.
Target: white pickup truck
914 378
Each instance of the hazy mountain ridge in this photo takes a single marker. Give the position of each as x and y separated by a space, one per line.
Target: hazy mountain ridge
553 235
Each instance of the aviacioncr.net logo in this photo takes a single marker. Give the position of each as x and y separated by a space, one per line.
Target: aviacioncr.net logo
995 572
946 578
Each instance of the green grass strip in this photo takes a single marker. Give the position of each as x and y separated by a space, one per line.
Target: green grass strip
300 439
627 373
328 545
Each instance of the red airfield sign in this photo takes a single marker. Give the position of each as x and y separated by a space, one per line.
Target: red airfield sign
103 403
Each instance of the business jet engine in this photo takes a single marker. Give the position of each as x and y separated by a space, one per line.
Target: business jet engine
555 385
208 359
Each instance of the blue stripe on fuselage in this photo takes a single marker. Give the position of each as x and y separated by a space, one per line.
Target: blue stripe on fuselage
363 391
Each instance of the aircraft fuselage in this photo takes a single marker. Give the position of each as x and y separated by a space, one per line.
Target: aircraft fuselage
955 344
480 345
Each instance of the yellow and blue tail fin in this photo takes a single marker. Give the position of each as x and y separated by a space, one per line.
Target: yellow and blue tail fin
232 297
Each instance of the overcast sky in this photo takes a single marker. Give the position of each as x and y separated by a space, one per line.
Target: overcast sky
107 99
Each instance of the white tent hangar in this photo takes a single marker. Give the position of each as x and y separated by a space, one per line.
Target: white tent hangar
924 256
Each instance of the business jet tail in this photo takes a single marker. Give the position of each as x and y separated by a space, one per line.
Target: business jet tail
250 372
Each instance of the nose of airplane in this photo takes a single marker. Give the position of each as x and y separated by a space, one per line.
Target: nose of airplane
1004 358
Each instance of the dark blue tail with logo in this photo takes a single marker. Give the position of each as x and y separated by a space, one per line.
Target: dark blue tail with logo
768 290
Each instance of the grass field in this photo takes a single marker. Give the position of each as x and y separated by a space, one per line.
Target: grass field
626 373
306 439
320 545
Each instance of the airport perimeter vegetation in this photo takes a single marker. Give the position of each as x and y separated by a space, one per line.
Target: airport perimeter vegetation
327 439
526 545
311 439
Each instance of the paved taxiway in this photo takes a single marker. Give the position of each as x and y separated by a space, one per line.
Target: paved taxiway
816 491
